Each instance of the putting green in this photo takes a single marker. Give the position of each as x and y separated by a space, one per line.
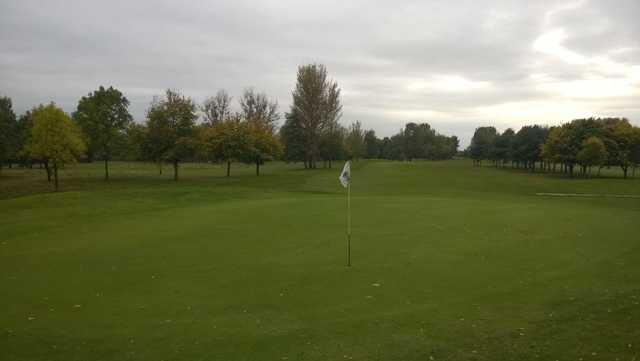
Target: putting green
450 262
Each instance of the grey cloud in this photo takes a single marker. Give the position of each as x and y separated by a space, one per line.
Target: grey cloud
55 50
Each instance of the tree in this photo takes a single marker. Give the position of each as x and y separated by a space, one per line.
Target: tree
527 144
257 107
593 152
264 145
9 132
54 138
503 148
395 147
547 151
217 108
133 142
635 149
482 143
372 145
103 115
354 141
228 141
625 138
171 124
25 124
332 144
316 107
292 137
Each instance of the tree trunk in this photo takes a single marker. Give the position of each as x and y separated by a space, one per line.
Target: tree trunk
624 169
228 168
175 170
329 163
106 169
160 167
48 170
55 175
258 167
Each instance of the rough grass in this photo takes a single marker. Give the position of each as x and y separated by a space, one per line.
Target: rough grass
450 262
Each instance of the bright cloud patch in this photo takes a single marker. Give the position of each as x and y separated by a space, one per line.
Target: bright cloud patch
602 77
596 87
448 83
551 44
536 112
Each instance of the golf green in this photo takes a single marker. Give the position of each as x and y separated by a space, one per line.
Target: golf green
450 262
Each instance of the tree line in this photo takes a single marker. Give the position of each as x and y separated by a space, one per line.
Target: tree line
101 128
311 131
575 147
176 130
414 141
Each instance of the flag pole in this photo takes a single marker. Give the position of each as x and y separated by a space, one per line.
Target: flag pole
349 224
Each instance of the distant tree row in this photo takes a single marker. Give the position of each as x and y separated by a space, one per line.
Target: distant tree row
102 128
311 131
415 141
582 145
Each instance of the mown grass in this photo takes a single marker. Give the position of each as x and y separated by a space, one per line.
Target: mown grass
450 262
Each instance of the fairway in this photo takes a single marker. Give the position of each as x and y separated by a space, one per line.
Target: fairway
450 262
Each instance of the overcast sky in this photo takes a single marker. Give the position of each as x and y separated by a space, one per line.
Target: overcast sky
454 64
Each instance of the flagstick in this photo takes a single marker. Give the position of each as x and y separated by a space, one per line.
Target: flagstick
349 224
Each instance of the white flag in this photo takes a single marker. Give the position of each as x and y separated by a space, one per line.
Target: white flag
345 176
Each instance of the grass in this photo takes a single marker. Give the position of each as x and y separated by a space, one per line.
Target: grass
450 262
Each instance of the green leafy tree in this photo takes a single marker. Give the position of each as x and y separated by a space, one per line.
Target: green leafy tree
316 107
482 144
9 132
54 138
292 137
103 116
593 153
264 145
527 144
354 142
625 138
228 141
503 148
547 151
134 143
372 145
171 126
332 144
25 124
635 149
395 147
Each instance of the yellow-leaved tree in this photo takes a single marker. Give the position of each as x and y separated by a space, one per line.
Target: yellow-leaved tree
54 139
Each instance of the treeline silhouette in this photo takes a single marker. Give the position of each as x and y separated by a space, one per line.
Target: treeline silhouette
574 148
